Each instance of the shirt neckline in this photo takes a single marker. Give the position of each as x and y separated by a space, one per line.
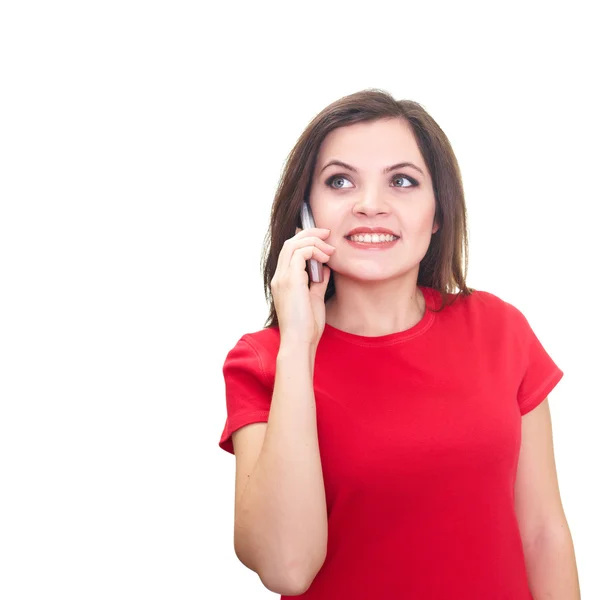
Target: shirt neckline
429 294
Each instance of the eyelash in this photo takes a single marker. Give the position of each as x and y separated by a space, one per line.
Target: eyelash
414 182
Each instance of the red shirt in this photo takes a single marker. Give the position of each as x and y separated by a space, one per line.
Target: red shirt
419 434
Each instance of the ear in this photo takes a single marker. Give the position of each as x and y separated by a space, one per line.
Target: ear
436 227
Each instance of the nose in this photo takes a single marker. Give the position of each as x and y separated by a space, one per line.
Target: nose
370 203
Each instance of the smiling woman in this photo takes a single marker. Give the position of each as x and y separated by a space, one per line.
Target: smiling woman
365 162
379 417
398 199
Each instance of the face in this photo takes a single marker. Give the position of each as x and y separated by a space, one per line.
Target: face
401 199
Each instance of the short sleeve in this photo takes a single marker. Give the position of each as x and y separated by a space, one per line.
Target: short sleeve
540 374
247 395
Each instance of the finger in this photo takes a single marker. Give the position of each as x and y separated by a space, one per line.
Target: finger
301 255
320 231
319 288
292 245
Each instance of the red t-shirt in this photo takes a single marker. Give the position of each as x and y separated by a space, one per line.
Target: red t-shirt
419 434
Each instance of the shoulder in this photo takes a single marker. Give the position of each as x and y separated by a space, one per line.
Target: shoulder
493 309
487 301
262 341
478 301
259 347
494 302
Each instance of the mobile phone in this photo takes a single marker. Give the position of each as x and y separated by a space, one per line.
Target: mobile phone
315 268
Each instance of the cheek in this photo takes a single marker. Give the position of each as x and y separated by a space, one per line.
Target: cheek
421 222
423 219
326 215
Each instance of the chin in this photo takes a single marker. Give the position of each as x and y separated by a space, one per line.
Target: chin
373 274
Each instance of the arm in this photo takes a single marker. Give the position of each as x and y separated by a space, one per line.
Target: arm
547 542
281 525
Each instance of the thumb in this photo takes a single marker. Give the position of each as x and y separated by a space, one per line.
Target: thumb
319 289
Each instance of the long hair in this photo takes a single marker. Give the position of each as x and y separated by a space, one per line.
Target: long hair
442 266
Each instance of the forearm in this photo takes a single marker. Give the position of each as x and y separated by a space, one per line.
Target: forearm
551 565
281 529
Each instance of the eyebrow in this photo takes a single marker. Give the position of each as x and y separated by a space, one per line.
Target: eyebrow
386 170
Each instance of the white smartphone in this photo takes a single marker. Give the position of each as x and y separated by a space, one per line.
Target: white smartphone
315 268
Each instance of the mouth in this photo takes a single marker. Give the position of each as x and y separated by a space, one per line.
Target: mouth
373 237
368 232
368 245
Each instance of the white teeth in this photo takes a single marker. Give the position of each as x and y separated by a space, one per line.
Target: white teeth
373 238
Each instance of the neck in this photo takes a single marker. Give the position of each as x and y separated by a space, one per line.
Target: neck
374 308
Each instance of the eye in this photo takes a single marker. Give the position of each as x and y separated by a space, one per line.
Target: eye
334 178
412 181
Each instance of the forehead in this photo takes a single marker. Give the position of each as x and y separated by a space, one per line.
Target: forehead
371 144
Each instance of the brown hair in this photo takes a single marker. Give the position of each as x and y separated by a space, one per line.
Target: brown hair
442 265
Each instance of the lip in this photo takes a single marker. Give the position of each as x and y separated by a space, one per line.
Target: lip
358 230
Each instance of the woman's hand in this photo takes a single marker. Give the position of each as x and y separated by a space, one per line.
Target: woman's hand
300 308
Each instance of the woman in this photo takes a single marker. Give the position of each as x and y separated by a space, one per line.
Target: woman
392 436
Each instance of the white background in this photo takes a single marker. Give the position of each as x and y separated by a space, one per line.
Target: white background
141 145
